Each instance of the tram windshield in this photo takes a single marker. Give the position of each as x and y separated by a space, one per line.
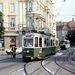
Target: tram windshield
65 42
28 42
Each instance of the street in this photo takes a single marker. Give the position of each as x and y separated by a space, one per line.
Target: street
62 63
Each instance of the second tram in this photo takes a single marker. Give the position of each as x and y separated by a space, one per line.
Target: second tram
65 44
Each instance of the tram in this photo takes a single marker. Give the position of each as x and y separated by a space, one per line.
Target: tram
36 45
65 44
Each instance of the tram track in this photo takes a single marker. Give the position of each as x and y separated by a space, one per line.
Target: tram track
27 66
46 69
41 67
60 61
64 65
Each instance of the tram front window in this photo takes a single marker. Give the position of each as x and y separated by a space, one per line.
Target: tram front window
28 42
62 42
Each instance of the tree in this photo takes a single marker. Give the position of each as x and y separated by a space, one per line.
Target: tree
2 28
71 36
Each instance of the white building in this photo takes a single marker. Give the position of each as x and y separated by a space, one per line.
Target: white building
26 14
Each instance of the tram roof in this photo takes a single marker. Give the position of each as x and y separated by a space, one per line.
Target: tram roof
54 38
37 34
34 34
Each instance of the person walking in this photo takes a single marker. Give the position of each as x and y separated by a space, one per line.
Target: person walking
13 50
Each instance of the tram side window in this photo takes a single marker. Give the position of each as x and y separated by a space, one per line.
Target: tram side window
51 42
56 42
48 42
36 41
40 42
45 42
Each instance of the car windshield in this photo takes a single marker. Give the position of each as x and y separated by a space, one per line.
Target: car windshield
28 42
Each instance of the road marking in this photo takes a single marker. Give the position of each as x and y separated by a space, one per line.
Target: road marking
20 69
58 54
17 71
48 69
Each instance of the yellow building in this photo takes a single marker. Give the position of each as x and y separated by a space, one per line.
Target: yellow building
22 15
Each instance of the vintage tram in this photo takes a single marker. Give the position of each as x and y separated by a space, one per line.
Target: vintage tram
65 44
37 45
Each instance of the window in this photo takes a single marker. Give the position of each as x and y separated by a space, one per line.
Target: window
1 43
36 41
12 22
1 7
45 41
51 42
40 42
12 7
30 6
28 42
13 39
30 22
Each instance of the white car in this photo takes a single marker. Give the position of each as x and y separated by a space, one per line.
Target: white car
18 51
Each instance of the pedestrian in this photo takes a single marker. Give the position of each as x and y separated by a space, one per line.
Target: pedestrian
13 50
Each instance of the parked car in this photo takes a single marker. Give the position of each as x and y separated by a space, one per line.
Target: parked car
18 51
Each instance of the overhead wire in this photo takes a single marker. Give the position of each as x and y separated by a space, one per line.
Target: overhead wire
58 12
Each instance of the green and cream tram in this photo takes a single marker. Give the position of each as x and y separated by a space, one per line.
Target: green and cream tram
37 45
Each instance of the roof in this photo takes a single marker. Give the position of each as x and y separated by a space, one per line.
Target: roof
61 23
72 25
59 27
62 26
65 25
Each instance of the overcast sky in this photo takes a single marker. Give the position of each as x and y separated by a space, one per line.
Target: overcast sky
64 11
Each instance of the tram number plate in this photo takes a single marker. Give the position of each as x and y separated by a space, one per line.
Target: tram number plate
40 51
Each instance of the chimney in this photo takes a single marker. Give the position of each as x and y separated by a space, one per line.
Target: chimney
72 19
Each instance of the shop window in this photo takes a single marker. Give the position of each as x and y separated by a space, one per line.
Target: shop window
13 40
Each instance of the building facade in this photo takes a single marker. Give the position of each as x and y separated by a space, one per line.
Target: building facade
10 10
22 15
62 29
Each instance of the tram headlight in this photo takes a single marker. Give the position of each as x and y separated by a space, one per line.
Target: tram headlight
27 51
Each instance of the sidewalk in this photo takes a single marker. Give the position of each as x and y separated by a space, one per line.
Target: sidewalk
3 55
2 52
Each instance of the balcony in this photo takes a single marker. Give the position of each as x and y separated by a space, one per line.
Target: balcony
11 29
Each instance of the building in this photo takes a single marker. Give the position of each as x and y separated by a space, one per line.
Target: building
22 15
63 27
9 9
62 31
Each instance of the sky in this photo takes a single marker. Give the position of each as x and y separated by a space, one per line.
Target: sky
64 11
